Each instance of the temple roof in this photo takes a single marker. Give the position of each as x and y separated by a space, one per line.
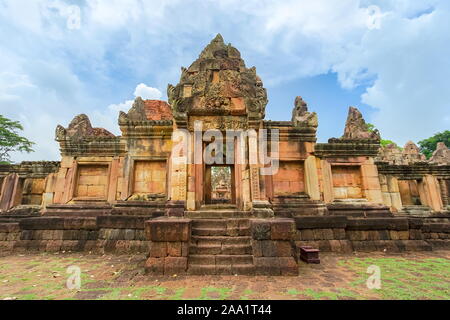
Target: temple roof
218 83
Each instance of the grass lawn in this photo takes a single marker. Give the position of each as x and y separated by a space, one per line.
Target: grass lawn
403 276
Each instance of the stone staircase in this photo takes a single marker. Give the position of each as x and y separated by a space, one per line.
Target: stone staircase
220 246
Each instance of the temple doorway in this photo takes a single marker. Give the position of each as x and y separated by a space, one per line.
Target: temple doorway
220 184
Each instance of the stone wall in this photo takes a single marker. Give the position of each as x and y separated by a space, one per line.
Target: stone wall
169 240
114 234
273 247
344 234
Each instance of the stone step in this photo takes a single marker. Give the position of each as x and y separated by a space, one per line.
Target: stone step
239 269
214 214
237 249
209 223
204 259
232 232
220 240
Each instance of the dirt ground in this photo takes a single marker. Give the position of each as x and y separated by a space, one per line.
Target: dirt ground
403 276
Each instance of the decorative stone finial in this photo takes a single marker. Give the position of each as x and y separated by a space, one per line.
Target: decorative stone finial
411 153
301 116
356 127
137 111
79 128
441 155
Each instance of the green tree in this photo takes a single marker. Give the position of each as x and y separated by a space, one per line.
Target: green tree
428 146
383 142
10 140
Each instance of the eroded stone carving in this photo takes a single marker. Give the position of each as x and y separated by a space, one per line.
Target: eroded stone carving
441 155
356 127
301 116
394 155
80 127
411 153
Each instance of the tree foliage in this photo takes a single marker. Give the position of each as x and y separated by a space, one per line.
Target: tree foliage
383 142
10 140
428 146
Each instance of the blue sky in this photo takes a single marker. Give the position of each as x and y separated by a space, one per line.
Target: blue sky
387 57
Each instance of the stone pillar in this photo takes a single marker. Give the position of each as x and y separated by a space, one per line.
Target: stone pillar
444 192
178 179
9 191
371 182
113 180
394 192
312 178
47 196
385 190
192 179
327 179
432 193
254 167
169 245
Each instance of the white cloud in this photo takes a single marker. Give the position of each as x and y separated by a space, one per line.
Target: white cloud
50 73
147 93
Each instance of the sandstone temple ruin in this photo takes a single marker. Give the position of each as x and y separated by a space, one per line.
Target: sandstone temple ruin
137 193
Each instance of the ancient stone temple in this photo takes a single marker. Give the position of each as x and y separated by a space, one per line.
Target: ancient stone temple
203 184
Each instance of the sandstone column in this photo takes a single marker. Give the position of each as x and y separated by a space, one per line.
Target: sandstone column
327 179
432 193
312 178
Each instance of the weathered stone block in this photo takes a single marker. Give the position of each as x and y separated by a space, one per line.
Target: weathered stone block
394 235
42 223
54 245
307 234
47 234
158 249
168 229
174 249
267 266
403 235
318 234
129 234
154 265
288 266
400 224
373 235
13 236
26 235
339 234
274 248
321 222
415 234
121 222
260 229
80 223
9 227
175 265
282 229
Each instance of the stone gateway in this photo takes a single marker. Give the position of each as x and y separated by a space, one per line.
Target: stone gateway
145 192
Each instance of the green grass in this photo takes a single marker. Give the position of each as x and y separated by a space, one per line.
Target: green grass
212 293
403 279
